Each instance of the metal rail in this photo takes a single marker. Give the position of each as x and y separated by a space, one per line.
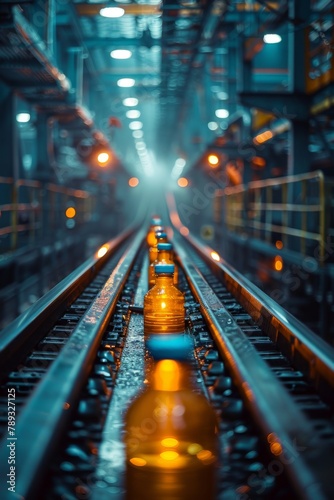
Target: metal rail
281 421
42 420
26 330
297 341
263 394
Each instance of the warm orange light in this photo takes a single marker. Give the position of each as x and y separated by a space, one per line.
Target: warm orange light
213 160
103 158
276 448
278 263
215 256
183 182
169 442
102 251
259 161
67 406
265 136
167 375
138 462
184 230
279 244
133 182
169 455
206 456
70 212
275 445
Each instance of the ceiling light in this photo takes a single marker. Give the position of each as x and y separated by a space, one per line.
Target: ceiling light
130 101
121 54
135 125
222 95
133 113
272 38
126 82
137 134
23 117
112 12
222 113
212 126
102 158
213 160
183 182
133 182
180 162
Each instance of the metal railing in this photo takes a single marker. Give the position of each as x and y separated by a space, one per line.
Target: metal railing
33 209
291 210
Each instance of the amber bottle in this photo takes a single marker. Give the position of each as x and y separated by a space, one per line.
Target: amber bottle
165 256
155 224
164 304
174 456
160 237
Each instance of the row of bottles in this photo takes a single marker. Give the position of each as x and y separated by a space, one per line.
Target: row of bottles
164 303
170 430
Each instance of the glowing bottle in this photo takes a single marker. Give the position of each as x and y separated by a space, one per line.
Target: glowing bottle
165 256
164 304
160 237
171 432
155 224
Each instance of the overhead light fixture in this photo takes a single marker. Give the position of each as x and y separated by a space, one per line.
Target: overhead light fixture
121 54
112 12
133 113
130 101
23 117
135 125
70 212
126 82
272 38
133 182
183 182
213 160
138 134
263 137
222 95
103 158
222 113
212 126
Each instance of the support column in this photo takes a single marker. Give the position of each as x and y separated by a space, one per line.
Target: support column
299 156
75 74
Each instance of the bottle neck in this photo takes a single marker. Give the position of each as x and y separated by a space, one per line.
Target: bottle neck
171 375
164 278
164 255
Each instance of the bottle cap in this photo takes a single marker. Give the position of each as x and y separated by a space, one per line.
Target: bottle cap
165 246
178 347
160 234
164 268
156 221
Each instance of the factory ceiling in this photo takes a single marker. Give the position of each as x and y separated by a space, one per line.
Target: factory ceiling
185 62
